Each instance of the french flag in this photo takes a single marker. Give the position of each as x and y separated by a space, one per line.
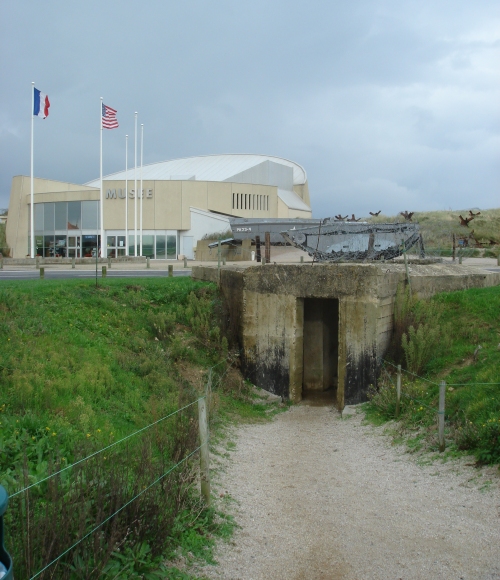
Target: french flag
41 104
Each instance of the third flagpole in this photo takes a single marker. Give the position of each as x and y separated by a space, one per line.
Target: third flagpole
101 196
142 145
126 197
32 213
135 185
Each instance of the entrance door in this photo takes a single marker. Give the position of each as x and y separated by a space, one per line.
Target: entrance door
321 344
74 246
187 246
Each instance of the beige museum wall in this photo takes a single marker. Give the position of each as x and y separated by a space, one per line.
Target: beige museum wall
44 190
168 209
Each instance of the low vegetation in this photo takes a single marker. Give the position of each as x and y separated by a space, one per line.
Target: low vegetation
4 248
81 368
454 337
438 228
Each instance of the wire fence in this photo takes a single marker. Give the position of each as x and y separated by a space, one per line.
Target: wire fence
102 450
115 513
204 466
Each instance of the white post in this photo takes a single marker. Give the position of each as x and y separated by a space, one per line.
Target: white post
142 144
101 196
135 185
32 213
126 195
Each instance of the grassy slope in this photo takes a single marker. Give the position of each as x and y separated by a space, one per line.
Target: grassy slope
81 367
438 226
84 358
468 318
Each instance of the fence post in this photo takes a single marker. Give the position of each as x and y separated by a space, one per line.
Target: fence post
37 262
185 262
442 392
73 263
257 249
268 247
148 263
170 270
406 266
204 451
42 273
398 391
109 262
104 273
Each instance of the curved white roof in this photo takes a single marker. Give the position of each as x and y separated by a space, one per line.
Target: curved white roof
206 168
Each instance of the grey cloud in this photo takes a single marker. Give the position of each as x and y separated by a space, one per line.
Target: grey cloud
377 100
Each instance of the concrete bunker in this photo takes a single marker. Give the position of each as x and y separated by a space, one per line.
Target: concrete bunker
305 329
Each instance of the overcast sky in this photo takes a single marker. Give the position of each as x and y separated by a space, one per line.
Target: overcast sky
388 105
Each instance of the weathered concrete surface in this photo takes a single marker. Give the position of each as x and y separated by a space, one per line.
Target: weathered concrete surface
265 307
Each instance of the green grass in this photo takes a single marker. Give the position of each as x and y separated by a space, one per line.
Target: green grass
468 318
81 367
438 227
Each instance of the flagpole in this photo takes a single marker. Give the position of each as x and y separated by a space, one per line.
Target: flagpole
32 213
101 196
135 185
126 195
142 144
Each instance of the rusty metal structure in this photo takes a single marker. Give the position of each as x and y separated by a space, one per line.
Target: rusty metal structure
334 241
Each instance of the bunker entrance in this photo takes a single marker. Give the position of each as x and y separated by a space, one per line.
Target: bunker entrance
321 350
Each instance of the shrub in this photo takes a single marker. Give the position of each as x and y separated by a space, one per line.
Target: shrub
418 332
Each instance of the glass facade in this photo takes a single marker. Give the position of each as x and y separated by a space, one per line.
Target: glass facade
70 229
156 246
61 228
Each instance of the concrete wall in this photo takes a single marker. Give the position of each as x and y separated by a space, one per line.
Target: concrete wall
265 307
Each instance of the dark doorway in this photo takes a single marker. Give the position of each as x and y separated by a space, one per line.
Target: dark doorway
321 347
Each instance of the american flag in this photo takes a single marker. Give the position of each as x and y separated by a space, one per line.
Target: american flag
109 120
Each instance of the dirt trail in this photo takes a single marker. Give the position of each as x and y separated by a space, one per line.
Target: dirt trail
323 498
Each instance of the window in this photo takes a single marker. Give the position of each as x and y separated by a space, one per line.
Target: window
171 247
48 217
131 251
89 246
61 215
90 215
160 246
38 211
148 245
74 215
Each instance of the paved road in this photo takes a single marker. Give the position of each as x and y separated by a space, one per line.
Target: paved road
60 274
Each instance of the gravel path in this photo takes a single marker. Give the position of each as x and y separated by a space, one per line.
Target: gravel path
324 498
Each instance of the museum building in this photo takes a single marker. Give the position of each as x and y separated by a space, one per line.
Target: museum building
181 201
